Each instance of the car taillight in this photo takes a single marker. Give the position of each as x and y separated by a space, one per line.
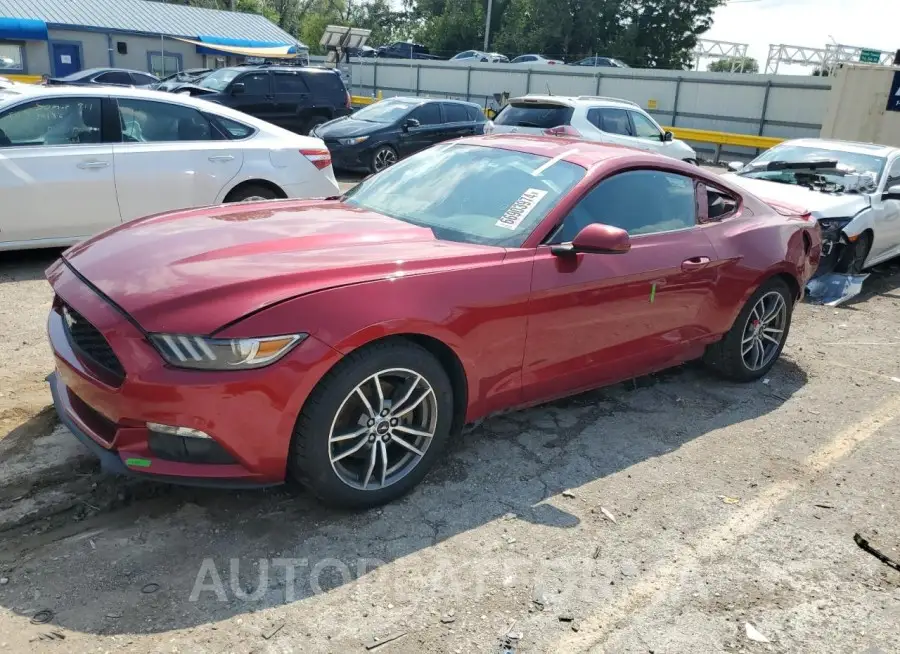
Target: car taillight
562 130
321 159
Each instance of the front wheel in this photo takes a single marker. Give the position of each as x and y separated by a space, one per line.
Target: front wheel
853 258
755 341
384 157
374 426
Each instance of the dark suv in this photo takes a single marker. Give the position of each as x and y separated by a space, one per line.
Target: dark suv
292 97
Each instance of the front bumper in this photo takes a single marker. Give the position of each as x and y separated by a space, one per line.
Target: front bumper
249 415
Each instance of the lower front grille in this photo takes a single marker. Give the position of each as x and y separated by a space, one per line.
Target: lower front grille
98 423
90 343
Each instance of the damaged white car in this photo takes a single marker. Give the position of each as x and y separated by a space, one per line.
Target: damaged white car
852 189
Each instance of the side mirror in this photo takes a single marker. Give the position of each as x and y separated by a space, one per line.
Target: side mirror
735 166
237 88
411 122
668 137
596 239
892 193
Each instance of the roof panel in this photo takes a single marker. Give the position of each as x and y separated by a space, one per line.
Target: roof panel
148 17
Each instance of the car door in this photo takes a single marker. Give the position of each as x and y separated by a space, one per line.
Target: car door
599 318
140 79
428 132
256 96
456 121
170 158
886 216
56 171
648 134
291 97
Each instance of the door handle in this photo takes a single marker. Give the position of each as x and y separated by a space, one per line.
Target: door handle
694 263
88 165
222 157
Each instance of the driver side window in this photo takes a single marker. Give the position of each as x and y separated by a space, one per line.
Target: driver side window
638 201
643 128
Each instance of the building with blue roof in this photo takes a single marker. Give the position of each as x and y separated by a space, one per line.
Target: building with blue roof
60 37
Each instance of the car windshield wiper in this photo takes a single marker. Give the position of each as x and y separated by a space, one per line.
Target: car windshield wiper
830 164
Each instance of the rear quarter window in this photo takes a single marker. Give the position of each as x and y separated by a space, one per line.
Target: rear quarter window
328 84
533 114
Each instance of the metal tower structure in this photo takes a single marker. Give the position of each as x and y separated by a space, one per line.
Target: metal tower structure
709 49
827 58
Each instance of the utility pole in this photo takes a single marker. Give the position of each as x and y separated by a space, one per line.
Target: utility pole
487 26
231 5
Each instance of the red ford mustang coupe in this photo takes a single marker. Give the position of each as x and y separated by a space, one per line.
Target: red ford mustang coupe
344 341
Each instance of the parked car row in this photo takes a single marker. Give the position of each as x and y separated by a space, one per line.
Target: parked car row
411 50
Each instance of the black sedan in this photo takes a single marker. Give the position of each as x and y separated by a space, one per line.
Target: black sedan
106 77
379 135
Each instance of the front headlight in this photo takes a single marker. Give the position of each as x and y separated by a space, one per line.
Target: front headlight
831 224
201 353
354 141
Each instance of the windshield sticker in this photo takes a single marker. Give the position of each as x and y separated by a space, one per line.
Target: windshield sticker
519 210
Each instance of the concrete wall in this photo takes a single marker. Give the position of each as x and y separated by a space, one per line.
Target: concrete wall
763 105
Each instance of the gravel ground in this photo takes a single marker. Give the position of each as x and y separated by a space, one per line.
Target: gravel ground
661 515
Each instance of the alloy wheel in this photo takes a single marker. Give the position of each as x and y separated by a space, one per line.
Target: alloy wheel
765 331
382 429
384 158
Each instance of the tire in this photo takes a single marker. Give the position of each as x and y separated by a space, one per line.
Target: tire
334 409
314 122
853 258
727 357
388 157
251 193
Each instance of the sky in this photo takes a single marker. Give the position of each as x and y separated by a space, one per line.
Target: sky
810 23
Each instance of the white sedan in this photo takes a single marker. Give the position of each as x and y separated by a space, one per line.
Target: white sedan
77 160
852 189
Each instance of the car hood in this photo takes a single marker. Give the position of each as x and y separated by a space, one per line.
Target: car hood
345 127
195 271
821 205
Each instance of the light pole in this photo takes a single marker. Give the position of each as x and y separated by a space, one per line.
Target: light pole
487 26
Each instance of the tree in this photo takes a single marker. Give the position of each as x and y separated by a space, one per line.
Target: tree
734 64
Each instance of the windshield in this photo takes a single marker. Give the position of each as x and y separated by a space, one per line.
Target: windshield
534 114
861 164
386 111
219 80
470 193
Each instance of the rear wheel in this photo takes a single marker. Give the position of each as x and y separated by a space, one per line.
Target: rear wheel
755 341
374 426
314 122
252 193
